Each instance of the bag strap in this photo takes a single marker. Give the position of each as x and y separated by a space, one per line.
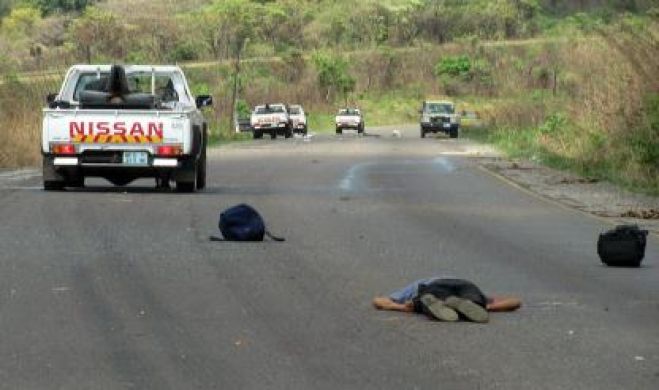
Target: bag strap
273 237
267 233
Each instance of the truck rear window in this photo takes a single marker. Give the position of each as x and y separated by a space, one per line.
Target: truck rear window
138 82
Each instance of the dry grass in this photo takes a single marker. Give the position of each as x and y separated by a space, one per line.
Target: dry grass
20 120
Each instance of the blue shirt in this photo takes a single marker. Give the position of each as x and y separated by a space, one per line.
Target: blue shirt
410 291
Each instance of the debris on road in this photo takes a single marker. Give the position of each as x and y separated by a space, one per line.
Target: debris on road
641 214
586 194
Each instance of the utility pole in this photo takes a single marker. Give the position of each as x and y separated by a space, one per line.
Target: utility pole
236 74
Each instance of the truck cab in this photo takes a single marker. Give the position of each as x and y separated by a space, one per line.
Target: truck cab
122 123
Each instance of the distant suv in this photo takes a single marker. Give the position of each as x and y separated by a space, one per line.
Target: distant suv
272 119
439 116
349 118
298 118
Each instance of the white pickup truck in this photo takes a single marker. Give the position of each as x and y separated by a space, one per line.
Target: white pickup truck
349 118
273 119
124 123
298 119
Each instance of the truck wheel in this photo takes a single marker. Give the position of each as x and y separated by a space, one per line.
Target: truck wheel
453 133
304 131
423 133
189 186
258 134
360 130
288 132
77 182
273 134
53 185
201 171
339 131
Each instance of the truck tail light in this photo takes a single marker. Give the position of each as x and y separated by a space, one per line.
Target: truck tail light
63 149
169 150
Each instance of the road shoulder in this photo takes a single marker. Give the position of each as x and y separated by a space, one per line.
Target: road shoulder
600 199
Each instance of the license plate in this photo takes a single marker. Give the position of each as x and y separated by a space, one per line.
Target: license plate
136 158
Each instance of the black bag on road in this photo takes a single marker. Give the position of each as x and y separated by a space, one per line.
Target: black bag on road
623 246
243 223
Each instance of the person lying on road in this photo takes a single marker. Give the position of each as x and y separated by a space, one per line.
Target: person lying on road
446 299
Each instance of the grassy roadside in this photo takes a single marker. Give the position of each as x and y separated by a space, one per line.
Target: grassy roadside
626 161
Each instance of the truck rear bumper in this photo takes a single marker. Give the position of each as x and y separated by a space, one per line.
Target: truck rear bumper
65 168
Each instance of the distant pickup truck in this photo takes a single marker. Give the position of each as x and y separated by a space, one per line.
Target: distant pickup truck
349 118
124 123
298 119
439 116
273 119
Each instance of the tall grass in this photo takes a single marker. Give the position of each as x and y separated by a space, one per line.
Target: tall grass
20 119
603 120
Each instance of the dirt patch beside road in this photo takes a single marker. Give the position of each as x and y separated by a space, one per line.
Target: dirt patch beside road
599 198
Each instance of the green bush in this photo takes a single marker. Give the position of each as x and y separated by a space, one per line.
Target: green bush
185 51
459 66
554 124
644 142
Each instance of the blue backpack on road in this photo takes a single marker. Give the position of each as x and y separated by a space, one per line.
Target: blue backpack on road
243 223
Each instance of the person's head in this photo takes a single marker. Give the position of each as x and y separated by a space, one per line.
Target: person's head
118 83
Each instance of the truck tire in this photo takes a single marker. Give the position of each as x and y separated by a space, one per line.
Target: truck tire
423 133
360 129
189 186
77 182
273 134
50 185
288 132
201 171
339 131
258 134
304 131
453 133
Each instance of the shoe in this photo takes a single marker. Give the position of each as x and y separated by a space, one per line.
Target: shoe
470 310
437 309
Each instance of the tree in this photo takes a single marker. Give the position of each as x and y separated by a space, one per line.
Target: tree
99 32
51 6
333 75
238 22
20 22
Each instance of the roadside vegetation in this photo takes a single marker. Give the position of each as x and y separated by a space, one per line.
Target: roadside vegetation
570 84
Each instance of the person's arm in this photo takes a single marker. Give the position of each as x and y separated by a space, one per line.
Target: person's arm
385 303
504 304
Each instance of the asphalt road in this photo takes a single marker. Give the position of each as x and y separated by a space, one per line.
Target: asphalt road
108 288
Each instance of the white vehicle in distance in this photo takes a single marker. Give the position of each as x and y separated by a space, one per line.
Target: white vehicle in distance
349 118
298 119
122 123
272 119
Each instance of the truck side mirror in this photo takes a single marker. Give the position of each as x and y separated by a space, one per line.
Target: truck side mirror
50 98
204 101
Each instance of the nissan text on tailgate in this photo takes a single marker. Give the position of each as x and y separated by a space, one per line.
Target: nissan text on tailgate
273 119
124 123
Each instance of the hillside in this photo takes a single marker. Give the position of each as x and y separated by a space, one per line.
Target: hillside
569 83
